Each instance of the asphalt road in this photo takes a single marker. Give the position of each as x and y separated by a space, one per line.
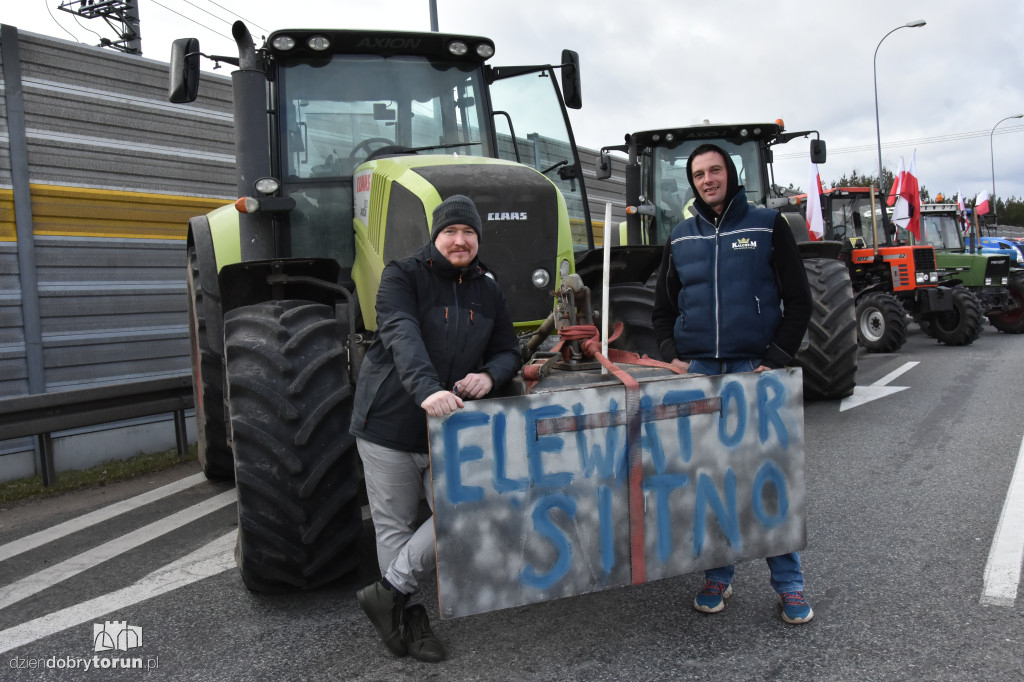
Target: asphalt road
905 495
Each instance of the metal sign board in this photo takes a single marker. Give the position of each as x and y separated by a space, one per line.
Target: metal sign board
589 487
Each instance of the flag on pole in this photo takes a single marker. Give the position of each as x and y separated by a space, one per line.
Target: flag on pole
894 193
907 211
961 212
981 204
815 223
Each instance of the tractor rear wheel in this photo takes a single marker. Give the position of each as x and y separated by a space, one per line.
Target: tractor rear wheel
961 325
881 323
829 359
290 402
632 305
214 451
1011 318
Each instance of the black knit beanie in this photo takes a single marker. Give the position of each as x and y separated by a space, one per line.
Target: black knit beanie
456 210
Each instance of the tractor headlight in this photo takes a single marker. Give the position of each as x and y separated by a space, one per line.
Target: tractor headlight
485 51
458 48
318 43
540 278
933 277
988 281
283 43
267 185
1006 281
922 277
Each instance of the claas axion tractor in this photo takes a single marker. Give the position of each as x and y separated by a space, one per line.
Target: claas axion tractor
345 142
658 196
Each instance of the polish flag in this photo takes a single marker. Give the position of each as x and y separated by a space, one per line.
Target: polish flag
981 205
907 211
894 193
961 211
815 223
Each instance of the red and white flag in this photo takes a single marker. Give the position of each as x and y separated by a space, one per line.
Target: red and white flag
815 223
894 193
981 205
961 211
907 211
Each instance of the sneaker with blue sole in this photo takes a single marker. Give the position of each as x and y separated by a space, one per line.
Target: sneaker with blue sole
711 598
795 608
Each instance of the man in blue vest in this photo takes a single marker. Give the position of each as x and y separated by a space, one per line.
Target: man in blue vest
732 296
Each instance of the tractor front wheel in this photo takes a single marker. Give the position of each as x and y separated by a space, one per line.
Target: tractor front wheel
290 402
961 325
881 323
214 451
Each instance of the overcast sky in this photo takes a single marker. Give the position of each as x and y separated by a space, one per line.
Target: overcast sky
660 63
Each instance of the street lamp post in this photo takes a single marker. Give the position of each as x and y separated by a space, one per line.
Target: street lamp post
910 24
992 154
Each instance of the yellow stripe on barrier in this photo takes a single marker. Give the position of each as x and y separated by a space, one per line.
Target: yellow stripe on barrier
80 212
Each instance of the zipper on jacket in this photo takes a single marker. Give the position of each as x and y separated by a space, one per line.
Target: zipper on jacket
758 301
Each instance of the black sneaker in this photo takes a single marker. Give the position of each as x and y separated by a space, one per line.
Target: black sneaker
385 608
419 638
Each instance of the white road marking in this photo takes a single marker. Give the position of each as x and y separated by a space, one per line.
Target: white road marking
1002 572
879 389
215 557
30 542
37 582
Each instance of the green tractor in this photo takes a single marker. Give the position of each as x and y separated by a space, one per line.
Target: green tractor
345 142
657 197
999 290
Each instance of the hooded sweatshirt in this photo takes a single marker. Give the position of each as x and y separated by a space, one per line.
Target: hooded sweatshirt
731 285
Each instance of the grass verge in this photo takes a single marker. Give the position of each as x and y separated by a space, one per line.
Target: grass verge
101 474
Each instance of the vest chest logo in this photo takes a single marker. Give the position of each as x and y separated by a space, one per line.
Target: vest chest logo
506 215
744 244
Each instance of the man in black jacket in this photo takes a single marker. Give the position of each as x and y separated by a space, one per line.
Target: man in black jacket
444 334
732 296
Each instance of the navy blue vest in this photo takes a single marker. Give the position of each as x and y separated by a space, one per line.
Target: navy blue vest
729 302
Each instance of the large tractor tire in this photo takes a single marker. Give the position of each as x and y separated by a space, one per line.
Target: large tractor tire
881 323
296 469
829 358
962 325
1011 318
632 305
207 373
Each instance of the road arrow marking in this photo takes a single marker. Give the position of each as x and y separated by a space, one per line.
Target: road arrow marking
879 389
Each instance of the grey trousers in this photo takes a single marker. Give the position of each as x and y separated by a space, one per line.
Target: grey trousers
395 481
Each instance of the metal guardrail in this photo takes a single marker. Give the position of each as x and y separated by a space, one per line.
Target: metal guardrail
43 413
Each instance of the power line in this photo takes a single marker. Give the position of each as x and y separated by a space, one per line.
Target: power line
236 14
935 139
212 30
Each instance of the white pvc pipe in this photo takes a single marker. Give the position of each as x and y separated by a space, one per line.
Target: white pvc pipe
604 281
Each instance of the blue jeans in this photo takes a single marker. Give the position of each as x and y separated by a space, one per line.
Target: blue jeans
787 576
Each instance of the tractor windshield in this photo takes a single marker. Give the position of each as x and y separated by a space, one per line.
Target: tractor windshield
671 191
849 218
940 231
335 114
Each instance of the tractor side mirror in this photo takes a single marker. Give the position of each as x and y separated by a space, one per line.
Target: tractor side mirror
571 79
184 71
603 170
817 151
